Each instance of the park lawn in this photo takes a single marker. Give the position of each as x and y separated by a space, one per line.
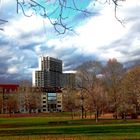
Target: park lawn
65 128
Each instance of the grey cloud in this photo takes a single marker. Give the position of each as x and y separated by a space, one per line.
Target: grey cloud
22 60
23 51
132 14
72 58
126 45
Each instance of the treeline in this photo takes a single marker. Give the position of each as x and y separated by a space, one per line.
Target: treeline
104 88
99 89
26 99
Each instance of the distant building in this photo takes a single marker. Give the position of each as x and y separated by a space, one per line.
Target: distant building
30 99
48 77
69 80
8 88
49 73
40 78
52 100
6 91
46 93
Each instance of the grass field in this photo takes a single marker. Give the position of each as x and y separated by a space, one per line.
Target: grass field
63 128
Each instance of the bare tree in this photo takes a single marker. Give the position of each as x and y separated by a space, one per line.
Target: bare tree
12 104
29 97
2 21
91 86
31 101
116 4
59 9
131 88
69 101
113 75
82 97
1 102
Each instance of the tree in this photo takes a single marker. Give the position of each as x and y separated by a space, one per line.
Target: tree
1 23
82 100
32 101
113 73
90 84
1 102
12 104
59 8
30 97
131 88
98 98
69 101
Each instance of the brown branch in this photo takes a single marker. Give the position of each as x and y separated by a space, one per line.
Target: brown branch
115 12
2 21
59 23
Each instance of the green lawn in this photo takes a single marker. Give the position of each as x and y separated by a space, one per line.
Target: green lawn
65 128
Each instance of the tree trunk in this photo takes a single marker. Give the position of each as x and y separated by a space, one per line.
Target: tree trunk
82 111
10 113
90 114
72 114
96 115
85 113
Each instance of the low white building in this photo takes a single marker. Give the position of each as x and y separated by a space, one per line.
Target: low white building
51 102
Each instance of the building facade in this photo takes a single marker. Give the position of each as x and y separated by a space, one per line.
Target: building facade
8 94
49 73
46 93
49 78
52 100
69 80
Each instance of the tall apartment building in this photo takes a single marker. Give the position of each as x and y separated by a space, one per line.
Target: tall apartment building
49 73
49 77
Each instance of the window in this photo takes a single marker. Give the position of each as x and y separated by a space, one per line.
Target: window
51 96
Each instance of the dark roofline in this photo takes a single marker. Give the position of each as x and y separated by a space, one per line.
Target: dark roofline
9 86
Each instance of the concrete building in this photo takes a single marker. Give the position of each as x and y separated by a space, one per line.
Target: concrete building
40 78
52 100
52 80
69 80
48 77
49 73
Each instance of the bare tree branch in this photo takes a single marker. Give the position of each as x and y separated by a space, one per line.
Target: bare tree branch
57 16
115 11
2 21
59 22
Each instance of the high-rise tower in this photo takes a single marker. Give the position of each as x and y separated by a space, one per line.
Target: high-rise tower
49 74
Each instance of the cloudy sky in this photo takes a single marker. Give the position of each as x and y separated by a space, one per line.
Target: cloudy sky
96 36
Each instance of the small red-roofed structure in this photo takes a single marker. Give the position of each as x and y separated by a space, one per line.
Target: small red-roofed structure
8 88
6 91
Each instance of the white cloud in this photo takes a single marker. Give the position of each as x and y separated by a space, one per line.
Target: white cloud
24 25
12 70
102 36
95 34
